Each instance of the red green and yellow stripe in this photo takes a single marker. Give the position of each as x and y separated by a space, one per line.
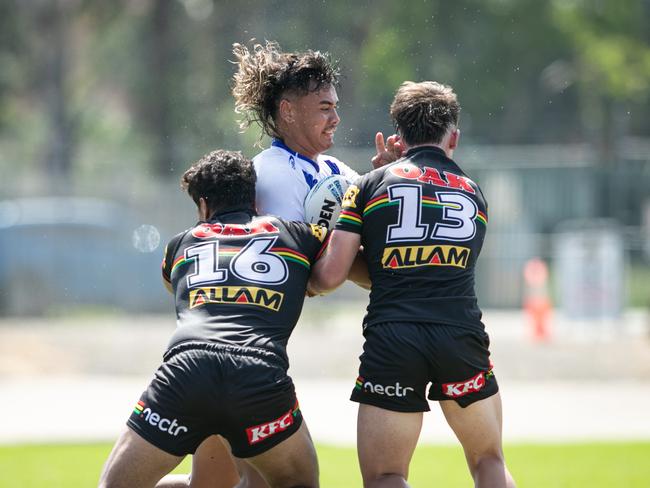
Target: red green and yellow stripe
359 383
350 217
295 409
383 201
431 202
376 203
179 262
139 407
292 255
229 251
222 251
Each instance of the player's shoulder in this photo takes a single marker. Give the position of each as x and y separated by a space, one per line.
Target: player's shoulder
400 168
301 230
288 224
336 166
268 221
375 180
326 157
174 242
270 153
183 233
377 175
273 159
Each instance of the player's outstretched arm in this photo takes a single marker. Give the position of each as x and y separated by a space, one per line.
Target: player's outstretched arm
333 267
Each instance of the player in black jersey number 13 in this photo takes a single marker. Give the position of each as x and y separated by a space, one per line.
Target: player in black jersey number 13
239 283
421 222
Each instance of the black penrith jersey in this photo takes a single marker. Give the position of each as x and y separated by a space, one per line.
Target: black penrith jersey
422 223
240 279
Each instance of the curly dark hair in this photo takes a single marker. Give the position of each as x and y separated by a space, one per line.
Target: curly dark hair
265 74
222 178
424 112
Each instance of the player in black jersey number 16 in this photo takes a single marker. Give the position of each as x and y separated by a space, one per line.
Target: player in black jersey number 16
239 283
421 222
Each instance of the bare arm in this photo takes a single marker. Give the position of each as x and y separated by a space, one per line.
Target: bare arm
333 268
359 271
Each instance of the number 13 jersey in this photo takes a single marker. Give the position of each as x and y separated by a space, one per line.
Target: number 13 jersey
422 223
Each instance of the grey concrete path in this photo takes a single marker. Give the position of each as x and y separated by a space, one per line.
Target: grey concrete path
77 378
71 409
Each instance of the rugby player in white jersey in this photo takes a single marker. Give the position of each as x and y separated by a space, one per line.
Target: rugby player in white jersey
292 97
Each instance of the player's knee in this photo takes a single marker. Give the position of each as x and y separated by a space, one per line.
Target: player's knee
304 483
487 462
106 482
294 484
386 480
292 480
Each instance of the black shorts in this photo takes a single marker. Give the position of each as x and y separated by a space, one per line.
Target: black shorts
399 360
241 393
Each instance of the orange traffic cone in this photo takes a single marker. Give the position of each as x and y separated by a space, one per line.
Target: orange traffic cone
537 304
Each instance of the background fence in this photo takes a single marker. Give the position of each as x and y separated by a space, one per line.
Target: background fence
98 243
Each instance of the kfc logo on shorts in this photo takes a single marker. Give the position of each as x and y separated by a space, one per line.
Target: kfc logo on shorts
260 432
457 390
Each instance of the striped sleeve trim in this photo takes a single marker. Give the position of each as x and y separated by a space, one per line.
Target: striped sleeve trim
350 218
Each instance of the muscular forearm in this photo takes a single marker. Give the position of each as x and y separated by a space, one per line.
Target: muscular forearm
332 269
359 271
321 282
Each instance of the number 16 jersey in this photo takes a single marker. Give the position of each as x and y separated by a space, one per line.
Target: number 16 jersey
422 223
240 279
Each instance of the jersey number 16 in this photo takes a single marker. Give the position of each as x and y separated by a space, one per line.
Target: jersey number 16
253 263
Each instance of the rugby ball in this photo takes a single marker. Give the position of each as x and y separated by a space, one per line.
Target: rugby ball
323 202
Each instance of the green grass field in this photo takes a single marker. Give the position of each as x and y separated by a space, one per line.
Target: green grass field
591 465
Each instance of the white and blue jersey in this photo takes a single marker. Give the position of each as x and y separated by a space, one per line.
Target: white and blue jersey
284 177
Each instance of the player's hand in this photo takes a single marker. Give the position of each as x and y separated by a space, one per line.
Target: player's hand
388 151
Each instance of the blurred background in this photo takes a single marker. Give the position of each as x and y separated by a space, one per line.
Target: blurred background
103 105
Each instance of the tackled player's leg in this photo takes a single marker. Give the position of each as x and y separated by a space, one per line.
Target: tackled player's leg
136 463
290 464
385 444
212 467
478 427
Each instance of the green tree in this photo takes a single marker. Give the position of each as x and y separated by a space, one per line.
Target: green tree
610 48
